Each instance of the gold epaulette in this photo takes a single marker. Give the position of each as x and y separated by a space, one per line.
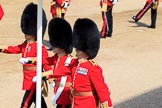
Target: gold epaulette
71 56
93 63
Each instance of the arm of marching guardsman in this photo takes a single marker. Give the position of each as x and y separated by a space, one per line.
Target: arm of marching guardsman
47 74
13 49
101 88
49 61
47 71
62 70
2 48
47 68
27 60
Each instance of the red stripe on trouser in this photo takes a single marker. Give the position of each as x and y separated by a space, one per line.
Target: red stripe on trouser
104 25
28 99
143 11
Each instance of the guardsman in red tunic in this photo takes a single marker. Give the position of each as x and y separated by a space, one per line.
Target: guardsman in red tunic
59 8
88 86
153 4
60 37
29 50
1 12
106 8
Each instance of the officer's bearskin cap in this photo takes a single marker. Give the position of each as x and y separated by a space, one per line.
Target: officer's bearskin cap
86 37
29 20
60 34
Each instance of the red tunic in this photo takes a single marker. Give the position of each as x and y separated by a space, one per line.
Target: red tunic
59 2
109 3
57 62
87 77
56 7
29 50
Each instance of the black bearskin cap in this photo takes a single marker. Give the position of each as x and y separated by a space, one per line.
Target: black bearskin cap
29 20
60 34
86 37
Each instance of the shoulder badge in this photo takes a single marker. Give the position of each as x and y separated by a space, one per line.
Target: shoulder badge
82 71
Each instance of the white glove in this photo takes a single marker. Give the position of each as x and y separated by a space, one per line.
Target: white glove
24 60
34 79
66 4
114 1
153 1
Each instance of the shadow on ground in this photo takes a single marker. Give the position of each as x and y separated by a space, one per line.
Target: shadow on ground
139 24
151 99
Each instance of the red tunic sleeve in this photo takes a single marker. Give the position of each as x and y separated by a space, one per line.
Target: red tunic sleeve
101 88
15 49
51 60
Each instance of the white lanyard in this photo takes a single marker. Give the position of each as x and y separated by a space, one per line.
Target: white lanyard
62 82
26 50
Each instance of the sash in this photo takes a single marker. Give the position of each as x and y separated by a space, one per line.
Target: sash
62 83
60 89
